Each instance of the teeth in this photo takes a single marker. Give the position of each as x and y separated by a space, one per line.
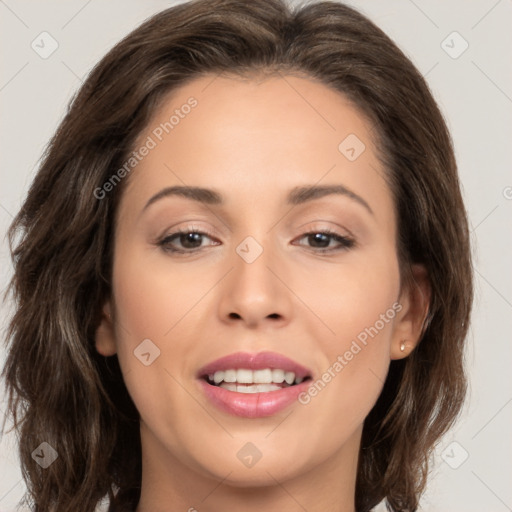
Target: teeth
289 377
278 376
262 376
230 376
255 388
245 376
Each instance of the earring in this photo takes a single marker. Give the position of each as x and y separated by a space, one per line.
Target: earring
402 346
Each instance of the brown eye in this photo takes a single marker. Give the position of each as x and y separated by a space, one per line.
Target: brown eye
320 240
327 241
186 241
190 240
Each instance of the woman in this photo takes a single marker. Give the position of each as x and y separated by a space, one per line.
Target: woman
242 273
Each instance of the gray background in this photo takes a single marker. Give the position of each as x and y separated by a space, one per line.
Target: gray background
474 90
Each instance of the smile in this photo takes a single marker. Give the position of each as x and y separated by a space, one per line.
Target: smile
253 385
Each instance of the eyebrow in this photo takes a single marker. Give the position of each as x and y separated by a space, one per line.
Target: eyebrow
296 196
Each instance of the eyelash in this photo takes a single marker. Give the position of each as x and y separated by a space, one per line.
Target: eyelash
344 241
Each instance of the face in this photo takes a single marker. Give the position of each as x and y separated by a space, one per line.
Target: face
301 279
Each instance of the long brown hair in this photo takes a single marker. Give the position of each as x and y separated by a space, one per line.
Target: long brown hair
61 391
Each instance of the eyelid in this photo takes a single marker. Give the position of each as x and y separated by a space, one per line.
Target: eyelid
191 226
319 225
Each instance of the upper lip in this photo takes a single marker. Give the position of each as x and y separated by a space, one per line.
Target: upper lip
258 361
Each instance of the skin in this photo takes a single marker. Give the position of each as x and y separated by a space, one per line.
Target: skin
253 140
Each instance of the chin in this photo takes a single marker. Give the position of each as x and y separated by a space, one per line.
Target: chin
263 473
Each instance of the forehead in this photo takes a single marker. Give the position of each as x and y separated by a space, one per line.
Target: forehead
256 136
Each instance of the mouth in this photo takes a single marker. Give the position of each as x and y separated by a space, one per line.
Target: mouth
253 385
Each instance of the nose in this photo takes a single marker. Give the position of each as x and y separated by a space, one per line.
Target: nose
257 293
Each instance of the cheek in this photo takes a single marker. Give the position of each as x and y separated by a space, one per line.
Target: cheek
152 296
161 303
350 296
359 305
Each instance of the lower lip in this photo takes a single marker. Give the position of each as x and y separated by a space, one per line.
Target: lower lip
253 405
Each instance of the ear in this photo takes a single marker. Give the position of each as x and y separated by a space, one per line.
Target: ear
410 321
105 340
